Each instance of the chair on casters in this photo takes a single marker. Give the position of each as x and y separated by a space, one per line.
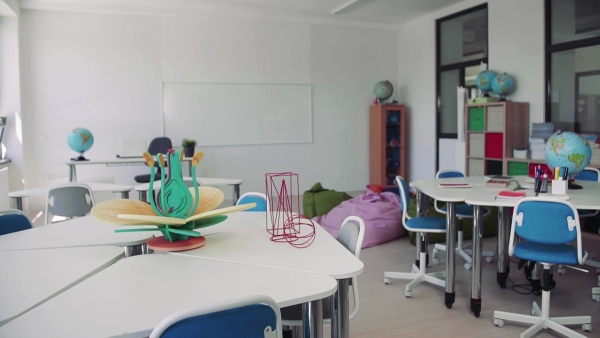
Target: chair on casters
462 211
546 227
13 220
420 225
254 197
157 145
589 174
68 200
253 317
351 235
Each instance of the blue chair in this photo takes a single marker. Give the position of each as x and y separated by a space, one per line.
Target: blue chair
13 220
254 197
251 317
420 225
546 228
462 211
68 200
588 174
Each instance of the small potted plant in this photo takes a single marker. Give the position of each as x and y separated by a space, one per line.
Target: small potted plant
189 146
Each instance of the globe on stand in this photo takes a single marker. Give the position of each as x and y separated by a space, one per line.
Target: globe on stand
503 85
568 150
484 81
80 140
383 90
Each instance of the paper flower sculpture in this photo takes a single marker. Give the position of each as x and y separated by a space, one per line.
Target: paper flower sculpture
175 210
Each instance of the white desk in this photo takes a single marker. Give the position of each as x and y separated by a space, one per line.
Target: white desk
479 196
130 297
142 189
31 277
243 238
78 232
116 162
18 195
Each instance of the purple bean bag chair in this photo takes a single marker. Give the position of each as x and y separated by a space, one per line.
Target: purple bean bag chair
381 213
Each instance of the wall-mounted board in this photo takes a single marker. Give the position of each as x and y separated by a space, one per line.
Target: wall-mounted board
217 114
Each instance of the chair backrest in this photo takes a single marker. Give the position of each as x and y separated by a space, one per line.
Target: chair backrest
254 197
13 220
252 317
545 220
447 173
404 198
68 200
589 174
160 145
351 236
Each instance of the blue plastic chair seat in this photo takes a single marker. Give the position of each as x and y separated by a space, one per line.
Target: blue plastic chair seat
10 223
547 253
427 224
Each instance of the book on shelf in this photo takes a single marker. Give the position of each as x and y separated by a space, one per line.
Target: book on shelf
509 194
454 185
497 183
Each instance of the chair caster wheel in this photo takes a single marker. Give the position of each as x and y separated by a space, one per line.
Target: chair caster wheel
436 261
449 305
477 313
489 259
561 270
503 284
498 322
387 281
586 327
408 294
467 266
596 298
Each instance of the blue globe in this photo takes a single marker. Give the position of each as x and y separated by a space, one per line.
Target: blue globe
503 85
484 80
383 90
568 149
80 140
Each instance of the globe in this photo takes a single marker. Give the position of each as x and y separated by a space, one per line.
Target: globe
568 149
503 85
80 140
484 81
383 90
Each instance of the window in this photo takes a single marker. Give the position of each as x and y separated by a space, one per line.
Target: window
461 46
573 65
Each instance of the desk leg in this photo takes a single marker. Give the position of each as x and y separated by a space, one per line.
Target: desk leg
450 253
72 173
18 202
312 319
422 211
125 194
503 238
477 251
340 310
236 193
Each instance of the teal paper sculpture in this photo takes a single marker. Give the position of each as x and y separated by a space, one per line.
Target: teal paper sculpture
175 210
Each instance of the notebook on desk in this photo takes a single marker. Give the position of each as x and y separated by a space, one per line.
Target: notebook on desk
132 148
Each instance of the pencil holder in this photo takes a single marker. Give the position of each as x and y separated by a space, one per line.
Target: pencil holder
560 187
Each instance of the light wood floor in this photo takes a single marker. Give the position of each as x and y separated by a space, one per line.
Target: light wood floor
385 312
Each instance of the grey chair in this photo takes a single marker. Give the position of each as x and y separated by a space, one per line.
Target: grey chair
68 200
351 235
13 220
253 317
157 145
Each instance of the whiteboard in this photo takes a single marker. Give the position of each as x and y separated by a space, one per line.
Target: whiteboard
217 114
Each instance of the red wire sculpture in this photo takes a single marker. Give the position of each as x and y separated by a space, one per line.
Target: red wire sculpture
286 224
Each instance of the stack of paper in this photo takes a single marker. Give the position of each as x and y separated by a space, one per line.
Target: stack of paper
537 147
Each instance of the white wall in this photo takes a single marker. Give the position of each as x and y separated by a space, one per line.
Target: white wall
516 46
103 72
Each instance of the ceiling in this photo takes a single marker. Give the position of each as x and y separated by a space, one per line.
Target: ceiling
377 12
